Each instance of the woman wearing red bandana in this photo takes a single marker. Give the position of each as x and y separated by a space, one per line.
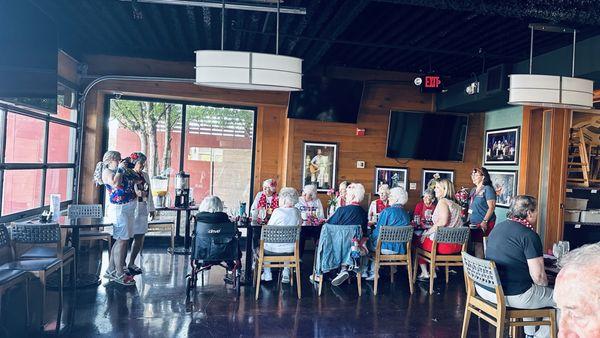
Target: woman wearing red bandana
379 204
265 202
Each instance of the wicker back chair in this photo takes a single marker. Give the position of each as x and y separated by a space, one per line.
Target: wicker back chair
458 235
393 234
484 273
77 211
41 267
11 277
280 235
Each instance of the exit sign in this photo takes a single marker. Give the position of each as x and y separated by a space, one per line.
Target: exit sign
430 83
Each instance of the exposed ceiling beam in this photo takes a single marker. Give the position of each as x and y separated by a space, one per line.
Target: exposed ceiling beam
575 11
378 45
228 5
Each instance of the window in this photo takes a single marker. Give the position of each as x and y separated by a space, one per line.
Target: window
37 160
217 150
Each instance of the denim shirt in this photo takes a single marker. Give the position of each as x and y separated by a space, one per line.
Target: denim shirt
334 248
392 216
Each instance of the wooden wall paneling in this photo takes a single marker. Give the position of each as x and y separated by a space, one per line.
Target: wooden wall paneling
378 100
531 149
92 146
560 126
68 67
278 139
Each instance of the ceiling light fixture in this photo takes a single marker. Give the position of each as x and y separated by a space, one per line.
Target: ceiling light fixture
248 70
551 90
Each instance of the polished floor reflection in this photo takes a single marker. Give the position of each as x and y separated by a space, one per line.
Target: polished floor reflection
156 307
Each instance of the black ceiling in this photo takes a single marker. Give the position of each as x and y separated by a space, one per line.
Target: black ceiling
450 37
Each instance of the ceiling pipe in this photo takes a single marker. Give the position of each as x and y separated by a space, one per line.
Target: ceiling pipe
213 4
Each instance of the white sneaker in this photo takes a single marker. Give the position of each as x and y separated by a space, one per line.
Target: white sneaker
370 277
285 277
267 277
365 275
340 278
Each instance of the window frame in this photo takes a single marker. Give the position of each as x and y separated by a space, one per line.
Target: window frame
48 118
184 129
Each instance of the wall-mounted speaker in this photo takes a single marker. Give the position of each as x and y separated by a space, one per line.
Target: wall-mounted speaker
497 78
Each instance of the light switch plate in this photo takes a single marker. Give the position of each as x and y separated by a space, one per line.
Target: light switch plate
360 164
413 186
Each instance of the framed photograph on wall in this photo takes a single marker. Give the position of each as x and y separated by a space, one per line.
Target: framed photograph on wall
431 175
502 146
319 165
505 184
394 177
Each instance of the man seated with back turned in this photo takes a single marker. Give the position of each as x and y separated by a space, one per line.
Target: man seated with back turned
517 250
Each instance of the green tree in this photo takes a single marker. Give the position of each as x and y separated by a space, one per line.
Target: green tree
144 118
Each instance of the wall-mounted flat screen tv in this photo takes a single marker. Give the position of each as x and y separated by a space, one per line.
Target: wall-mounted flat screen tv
427 136
28 57
326 99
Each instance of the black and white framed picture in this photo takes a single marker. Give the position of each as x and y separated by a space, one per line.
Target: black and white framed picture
393 177
502 146
505 184
432 175
320 165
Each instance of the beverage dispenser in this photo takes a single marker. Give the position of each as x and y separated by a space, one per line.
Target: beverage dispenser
160 187
182 190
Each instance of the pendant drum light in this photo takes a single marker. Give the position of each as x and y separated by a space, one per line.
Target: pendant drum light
551 90
248 70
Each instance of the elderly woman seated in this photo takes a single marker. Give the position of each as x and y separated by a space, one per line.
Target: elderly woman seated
395 215
285 215
311 210
350 214
210 211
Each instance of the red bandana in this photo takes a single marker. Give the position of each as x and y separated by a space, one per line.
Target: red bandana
262 201
523 222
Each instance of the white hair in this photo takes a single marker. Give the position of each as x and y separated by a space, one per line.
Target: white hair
270 183
355 193
211 204
310 189
288 197
585 256
398 195
383 189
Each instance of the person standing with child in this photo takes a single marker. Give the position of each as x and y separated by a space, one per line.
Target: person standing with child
118 179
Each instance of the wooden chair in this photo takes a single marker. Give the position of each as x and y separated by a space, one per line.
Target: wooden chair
484 242
76 211
9 277
458 235
483 273
347 232
158 225
280 235
39 234
394 234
